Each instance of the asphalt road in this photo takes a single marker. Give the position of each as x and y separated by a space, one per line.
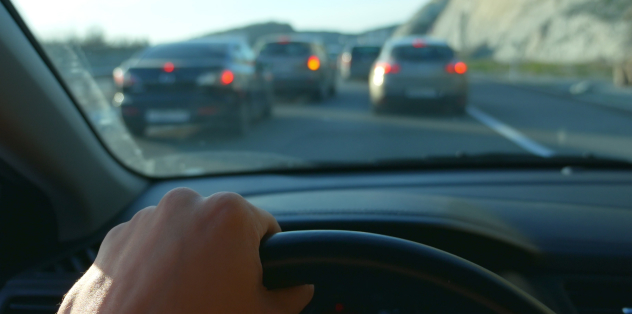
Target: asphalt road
500 118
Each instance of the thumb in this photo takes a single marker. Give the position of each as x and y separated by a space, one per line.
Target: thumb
292 299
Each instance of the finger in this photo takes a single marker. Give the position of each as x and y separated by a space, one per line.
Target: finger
238 208
291 300
268 224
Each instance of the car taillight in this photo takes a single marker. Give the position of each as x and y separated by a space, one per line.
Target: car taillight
346 57
386 68
313 63
168 67
123 78
456 68
418 43
119 76
227 77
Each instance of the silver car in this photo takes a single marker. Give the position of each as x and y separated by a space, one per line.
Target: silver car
418 74
298 66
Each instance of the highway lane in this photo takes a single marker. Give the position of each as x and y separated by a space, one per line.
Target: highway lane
342 128
562 124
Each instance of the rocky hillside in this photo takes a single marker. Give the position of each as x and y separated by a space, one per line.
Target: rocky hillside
559 31
255 31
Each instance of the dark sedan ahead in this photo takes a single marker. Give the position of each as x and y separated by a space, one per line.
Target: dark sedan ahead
211 82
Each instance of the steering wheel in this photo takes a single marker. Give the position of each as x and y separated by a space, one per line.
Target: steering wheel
299 257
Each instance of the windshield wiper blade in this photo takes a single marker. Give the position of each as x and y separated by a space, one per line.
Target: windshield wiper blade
486 160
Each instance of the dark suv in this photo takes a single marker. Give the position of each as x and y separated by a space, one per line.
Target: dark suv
210 81
357 61
298 66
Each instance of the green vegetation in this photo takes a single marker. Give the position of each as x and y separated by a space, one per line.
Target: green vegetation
593 69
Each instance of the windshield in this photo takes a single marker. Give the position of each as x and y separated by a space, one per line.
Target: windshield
185 51
421 54
365 52
285 50
272 85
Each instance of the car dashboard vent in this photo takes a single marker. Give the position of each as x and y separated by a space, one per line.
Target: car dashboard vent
41 291
79 262
600 296
32 305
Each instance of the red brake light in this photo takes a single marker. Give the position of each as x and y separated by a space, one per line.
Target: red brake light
284 40
457 67
313 63
168 67
227 77
388 68
123 78
418 43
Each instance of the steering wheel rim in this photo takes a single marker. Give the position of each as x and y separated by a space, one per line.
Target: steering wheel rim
292 258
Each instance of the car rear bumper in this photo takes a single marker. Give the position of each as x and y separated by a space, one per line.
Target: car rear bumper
157 109
432 94
296 83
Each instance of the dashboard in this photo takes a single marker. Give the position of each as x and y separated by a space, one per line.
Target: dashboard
565 237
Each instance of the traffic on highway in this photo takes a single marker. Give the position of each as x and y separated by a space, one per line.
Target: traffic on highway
268 96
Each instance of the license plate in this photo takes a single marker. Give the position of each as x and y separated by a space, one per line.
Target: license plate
168 116
422 93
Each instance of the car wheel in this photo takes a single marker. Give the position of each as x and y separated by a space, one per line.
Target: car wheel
267 110
137 128
378 110
320 94
332 90
458 105
243 119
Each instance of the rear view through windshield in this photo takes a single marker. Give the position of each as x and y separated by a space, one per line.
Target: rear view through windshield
186 51
421 54
285 50
365 52
194 88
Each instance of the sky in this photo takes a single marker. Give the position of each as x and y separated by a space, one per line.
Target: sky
169 20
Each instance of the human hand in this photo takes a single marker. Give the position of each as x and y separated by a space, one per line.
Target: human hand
189 254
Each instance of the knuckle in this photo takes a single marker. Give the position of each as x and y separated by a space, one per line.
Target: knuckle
114 236
228 207
177 198
141 216
226 199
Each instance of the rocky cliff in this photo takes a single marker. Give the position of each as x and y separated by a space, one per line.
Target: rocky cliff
556 31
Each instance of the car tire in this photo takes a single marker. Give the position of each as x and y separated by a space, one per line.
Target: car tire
320 94
333 90
379 110
270 100
243 119
459 104
619 76
267 110
136 128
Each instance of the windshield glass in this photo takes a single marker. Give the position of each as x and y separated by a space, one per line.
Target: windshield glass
365 52
177 89
285 50
185 51
420 54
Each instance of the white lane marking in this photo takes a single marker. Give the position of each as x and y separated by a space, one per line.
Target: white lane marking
510 133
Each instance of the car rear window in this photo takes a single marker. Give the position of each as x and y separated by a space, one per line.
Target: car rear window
365 52
285 50
186 51
421 54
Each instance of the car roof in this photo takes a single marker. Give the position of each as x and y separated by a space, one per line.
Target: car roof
409 40
293 38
